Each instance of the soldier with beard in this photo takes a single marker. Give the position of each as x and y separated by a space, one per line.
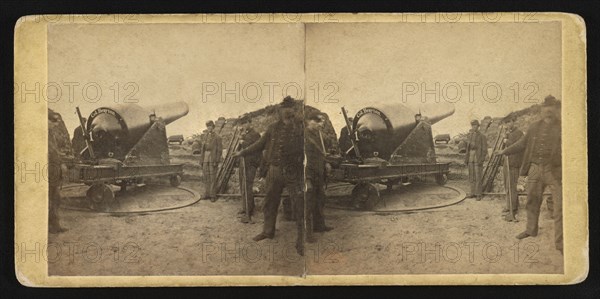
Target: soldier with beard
284 145
252 162
541 148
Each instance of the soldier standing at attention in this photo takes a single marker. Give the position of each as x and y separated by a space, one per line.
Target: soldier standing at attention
476 155
252 161
315 175
543 167
284 145
210 156
59 153
511 177
78 140
345 141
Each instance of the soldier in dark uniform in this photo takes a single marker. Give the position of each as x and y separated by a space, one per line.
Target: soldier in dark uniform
345 141
59 153
252 162
511 176
315 175
210 156
284 145
78 141
542 165
476 155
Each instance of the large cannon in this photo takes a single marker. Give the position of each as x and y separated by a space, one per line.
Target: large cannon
124 144
390 144
381 131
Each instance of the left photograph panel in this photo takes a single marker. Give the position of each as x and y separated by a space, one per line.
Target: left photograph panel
171 149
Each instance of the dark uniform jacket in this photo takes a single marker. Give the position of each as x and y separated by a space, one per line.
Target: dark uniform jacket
284 145
527 143
345 141
315 155
78 141
212 148
249 137
514 160
476 141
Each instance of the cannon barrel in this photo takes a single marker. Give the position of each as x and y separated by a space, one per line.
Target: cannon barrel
383 129
118 128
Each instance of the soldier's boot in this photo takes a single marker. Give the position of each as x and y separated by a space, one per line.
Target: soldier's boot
262 236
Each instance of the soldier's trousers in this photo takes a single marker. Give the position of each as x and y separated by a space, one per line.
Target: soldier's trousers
475 177
538 178
53 206
250 175
277 179
209 174
315 199
511 179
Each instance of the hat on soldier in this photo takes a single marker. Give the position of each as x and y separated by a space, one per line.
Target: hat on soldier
244 120
510 117
316 116
474 122
210 123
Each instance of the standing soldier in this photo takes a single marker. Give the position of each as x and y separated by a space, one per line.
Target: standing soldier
252 162
315 175
284 145
476 155
210 156
345 141
59 153
511 175
78 140
542 166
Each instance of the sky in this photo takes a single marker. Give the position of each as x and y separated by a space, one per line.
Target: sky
484 69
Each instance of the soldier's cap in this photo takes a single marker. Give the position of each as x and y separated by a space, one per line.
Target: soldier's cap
474 122
288 102
316 116
210 123
244 120
550 101
509 117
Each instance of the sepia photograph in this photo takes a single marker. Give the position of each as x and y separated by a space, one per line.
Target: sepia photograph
308 146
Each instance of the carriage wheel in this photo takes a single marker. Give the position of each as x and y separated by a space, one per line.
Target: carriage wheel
365 196
100 197
175 180
441 179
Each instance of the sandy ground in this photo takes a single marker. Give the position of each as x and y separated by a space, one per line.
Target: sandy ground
208 239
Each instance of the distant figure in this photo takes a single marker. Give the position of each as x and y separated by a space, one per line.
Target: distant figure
511 177
418 117
476 155
252 161
345 139
542 166
78 141
210 156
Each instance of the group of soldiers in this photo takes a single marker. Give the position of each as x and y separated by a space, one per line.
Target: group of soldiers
535 154
282 149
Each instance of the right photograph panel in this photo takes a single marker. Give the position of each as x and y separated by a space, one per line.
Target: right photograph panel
433 148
